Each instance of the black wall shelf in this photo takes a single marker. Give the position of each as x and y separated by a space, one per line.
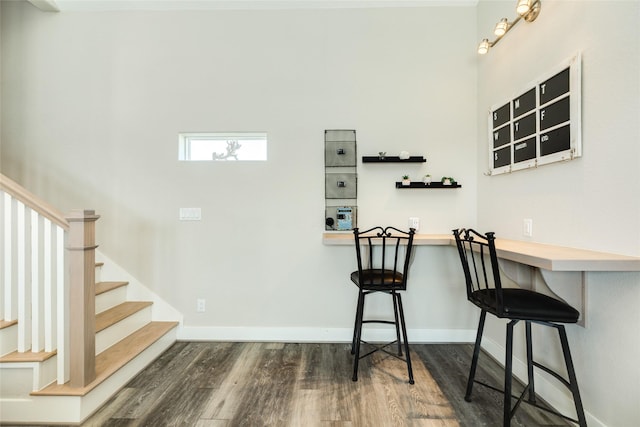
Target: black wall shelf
423 185
393 159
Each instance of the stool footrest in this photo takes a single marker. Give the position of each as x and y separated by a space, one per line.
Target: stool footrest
386 322
520 399
378 347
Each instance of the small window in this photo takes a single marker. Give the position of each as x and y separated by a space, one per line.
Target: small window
227 146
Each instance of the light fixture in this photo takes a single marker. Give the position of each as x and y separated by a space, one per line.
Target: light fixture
526 9
501 27
484 47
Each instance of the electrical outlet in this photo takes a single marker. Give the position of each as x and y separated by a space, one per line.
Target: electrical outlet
414 223
527 227
201 305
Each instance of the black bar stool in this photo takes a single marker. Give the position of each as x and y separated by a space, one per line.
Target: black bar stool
383 255
485 290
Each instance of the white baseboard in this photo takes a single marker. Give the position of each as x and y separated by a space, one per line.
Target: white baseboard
257 334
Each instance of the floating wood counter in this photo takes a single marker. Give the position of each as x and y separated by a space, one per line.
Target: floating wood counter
537 261
548 257
346 239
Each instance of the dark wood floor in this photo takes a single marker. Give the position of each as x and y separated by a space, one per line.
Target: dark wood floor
260 384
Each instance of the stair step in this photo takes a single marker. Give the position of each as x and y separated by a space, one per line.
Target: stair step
27 356
99 264
118 313
7 323
114 358
102 287
8 336
109 295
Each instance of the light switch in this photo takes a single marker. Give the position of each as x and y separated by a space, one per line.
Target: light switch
527 227
190 214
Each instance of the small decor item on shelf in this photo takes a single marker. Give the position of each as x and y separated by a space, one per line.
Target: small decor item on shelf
406 181
404 155
426 179
382 155
448 180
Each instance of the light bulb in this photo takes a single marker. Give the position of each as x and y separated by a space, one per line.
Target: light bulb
483 47
523 7
501 27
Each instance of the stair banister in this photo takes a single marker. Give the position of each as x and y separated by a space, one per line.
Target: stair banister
56 313
32 201
82 290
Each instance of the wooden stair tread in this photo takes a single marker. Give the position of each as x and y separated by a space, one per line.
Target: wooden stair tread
99 264
7 323
27 356
102 287
118 313
113 358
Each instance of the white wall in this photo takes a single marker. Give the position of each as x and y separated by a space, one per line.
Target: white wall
591 202
94 103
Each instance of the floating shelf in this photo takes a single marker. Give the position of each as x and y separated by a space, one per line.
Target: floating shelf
393 159
423 185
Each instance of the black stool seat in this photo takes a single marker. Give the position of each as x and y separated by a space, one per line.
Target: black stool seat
484 289
524 304
378 279
383 256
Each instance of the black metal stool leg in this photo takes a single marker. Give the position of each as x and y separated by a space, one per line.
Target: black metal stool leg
397 323
531 385
406 341
508 363
358 335
359 306
573 381
474 359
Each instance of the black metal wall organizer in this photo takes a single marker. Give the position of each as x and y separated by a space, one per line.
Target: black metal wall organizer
393 159
431 185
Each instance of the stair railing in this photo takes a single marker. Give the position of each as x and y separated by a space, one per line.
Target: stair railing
47 284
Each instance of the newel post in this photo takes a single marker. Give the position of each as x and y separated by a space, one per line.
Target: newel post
82 282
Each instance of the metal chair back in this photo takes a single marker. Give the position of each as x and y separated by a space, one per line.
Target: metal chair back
384 256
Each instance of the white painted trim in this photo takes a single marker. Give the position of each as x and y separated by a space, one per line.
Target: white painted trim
105 5
36 304
288 334
23 320
49 304
8 339
61 290
9 312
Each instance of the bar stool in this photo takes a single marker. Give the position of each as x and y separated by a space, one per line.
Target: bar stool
383 256
484 289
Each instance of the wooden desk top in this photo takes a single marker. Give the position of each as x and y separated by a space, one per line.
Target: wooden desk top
346 239
548 257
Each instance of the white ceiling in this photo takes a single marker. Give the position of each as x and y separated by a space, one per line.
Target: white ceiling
103 5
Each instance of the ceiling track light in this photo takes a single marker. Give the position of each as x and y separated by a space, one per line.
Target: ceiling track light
525 9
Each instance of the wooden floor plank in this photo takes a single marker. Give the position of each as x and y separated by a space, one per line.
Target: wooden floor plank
260 384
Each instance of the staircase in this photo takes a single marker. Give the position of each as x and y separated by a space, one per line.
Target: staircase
34 385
